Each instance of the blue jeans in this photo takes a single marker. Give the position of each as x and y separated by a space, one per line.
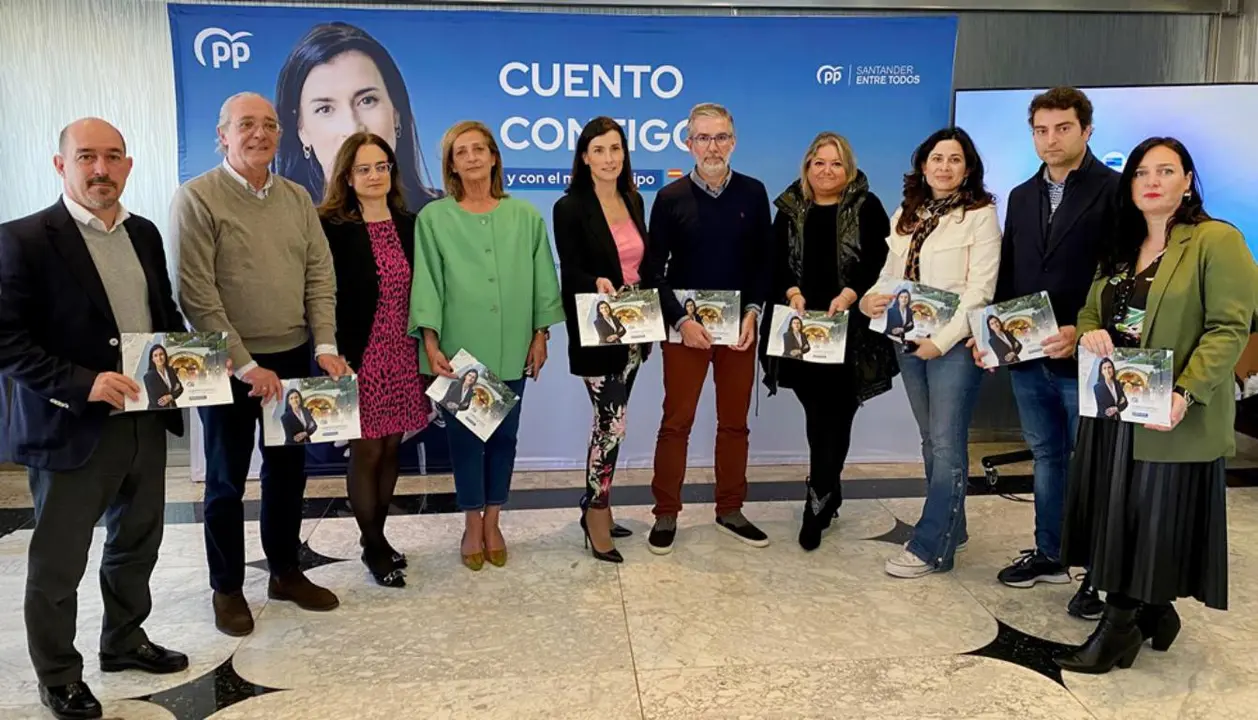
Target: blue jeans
1048 406
482 470
942 393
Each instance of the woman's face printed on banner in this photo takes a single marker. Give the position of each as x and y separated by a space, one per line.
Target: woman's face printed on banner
341 97
606 157
945 167
826 174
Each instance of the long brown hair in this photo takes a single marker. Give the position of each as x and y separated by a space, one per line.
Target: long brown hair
973 193
453 183
340 202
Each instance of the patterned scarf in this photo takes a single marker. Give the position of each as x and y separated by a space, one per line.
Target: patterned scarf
928 217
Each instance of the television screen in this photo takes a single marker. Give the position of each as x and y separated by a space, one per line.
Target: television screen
1215 122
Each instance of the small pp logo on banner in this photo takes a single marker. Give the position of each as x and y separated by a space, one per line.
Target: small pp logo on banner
829 74
232 48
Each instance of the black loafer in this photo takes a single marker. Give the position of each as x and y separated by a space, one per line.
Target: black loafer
70 702
149 657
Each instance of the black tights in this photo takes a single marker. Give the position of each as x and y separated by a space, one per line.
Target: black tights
373 471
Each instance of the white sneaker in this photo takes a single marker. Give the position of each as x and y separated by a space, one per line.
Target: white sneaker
907 565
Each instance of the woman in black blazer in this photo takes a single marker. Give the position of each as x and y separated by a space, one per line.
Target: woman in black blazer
459 395
161 382
371 237
1111 399
1004 345
795 342
600 233
297 421
609 328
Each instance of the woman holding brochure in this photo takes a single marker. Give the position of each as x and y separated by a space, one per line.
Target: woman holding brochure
600 233
365 219
484 283
828 244
944 235
1145 505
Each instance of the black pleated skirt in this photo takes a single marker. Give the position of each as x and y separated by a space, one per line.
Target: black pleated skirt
1154 532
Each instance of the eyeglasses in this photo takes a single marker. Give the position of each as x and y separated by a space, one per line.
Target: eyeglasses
364 170
248 125
705 139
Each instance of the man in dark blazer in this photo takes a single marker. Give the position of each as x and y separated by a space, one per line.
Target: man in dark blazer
1054 226
73 277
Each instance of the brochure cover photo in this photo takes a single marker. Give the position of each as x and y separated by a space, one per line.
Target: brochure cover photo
177 370
1013 331
476 397
812 337
916 311
312 410
1133 385
717 311
630 317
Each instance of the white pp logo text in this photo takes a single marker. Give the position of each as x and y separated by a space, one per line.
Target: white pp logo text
232 48
830 74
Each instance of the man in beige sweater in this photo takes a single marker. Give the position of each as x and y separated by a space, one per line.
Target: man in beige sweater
254 263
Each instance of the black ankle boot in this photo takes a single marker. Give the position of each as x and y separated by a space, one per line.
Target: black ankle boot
1159 623
1116 641
818 513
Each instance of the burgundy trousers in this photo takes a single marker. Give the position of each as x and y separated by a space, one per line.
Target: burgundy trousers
685 371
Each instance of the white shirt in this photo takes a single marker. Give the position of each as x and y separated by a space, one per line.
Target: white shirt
266 187
261 195
83 216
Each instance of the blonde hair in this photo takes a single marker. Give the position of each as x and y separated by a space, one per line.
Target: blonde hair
711 110
450 179
846 156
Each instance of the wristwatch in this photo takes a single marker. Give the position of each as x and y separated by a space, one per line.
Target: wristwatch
1188 398
543 331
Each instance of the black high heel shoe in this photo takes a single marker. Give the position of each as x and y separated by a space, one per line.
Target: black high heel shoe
619 531
382 569
612 556
1160 624
397 558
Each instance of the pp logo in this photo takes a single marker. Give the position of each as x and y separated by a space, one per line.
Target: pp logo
829 74
231 48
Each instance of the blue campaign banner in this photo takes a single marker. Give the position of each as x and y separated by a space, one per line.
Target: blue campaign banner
535 79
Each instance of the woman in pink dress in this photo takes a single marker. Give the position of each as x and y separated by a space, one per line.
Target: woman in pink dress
369 231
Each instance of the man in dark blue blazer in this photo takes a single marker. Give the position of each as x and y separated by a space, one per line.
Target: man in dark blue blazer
1055 224
73 278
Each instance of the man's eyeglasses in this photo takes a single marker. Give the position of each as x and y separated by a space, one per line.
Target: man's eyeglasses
248 125
705 139
364 170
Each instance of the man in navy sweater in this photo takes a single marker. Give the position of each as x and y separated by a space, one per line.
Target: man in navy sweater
709 231
1055 224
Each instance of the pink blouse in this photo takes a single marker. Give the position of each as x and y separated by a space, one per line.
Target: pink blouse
630 247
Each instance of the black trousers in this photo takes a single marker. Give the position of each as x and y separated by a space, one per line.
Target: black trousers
828 397
230 432
124 480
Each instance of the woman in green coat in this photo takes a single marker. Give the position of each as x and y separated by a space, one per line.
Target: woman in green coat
484 282
1145 506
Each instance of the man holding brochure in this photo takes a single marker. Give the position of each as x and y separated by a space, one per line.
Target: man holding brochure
712 231
75 277
1055 225
254 263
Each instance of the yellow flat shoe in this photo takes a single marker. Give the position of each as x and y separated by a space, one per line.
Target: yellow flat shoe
498 558
475 561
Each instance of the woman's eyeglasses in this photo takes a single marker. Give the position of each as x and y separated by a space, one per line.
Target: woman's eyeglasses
364 170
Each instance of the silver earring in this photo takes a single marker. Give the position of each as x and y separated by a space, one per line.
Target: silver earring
1188 194
397 132
305 150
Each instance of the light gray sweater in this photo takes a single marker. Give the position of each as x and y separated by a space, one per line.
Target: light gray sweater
257 269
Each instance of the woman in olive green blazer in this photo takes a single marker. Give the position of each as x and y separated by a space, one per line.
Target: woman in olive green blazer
1145 506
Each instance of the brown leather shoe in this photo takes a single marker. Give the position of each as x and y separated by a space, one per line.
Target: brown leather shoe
231 614
295 587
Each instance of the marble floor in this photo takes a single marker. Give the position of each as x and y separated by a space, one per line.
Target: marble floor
717 629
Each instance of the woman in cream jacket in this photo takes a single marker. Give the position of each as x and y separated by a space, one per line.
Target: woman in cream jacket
945 235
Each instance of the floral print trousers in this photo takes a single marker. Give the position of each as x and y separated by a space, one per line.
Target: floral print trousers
610 396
